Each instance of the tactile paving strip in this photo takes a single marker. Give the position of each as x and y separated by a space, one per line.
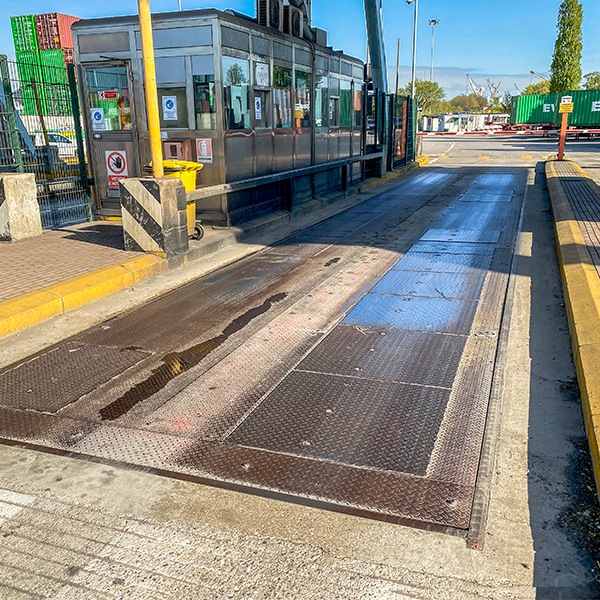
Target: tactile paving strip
461 235
431 284
62 375
388 355
378 424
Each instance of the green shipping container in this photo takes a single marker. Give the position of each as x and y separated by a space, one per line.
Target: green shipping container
586 108
28 68
53 66
24 36
533 110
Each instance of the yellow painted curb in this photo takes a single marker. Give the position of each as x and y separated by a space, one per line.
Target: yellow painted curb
28 309
145 266
581 286
91 286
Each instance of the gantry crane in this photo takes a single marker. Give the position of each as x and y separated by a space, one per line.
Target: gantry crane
478 90
494 89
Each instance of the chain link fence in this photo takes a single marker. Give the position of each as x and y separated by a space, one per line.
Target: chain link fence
41 133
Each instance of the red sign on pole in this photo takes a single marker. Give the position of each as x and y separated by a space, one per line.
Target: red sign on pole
116 167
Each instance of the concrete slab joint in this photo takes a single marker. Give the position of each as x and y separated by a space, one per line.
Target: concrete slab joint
154 216
19 209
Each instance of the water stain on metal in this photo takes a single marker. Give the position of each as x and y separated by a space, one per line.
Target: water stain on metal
332 261
176 363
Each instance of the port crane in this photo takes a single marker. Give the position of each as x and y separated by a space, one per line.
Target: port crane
494 89
539 76
478 90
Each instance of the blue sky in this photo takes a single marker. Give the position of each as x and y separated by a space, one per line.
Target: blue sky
500 40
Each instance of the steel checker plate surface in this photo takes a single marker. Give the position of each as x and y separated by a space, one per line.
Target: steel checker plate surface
461 235
445 263
62 375
475 196
388 354
413 314
496 182
431 285
442 248
378 424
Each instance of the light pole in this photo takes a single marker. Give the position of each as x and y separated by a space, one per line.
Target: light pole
433 23
414 58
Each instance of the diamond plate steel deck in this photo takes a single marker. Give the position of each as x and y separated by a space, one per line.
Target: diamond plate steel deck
381 415
388 355
443 263
461 235
413 314
56 378
474 196
378 424
431 285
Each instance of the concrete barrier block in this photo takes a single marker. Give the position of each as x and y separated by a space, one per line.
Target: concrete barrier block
154 216
19 209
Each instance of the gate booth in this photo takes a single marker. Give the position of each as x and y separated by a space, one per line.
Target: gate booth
246 100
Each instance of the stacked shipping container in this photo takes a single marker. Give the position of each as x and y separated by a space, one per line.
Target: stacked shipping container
44 46
543 109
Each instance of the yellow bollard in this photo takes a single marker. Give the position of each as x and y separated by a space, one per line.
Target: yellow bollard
151 95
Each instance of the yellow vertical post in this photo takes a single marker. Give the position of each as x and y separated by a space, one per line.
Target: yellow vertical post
150 80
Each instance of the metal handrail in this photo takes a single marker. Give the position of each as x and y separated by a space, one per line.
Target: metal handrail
244 184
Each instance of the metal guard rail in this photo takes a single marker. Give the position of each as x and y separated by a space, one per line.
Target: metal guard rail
244 184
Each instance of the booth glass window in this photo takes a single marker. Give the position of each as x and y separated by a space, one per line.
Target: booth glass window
236 93
261 109
282 97
321 102
172 106
357 105
334 102
203 78
345 104
109 92
302 107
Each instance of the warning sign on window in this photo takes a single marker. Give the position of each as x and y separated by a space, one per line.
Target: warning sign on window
116 167
204 151
107 95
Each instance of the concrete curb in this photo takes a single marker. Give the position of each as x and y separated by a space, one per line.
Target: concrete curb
28 309
581 286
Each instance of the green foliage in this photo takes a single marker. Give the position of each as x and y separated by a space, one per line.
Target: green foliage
235 76
541 87
470 103
592 80
429 95
565 70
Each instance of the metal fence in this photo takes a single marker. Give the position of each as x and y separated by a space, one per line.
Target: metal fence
41 133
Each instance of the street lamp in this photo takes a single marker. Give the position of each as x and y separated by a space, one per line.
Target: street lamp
433 23
414 58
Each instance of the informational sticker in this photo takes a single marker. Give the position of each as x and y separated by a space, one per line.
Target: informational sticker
261 75
169 106
116 167
258 109
107 95
98 122
596 106
204 151
164 135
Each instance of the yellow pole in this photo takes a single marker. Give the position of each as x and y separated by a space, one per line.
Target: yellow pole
150 79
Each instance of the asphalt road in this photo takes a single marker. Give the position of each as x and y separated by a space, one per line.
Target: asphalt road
78 528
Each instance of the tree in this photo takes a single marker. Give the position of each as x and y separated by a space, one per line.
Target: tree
471 103
429 94
541 87
592 80
565 70
235 76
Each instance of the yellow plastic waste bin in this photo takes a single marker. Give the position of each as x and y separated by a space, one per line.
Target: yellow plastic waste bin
186 171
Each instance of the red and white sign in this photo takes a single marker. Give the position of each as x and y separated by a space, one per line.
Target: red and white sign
204 151
116 167
107 95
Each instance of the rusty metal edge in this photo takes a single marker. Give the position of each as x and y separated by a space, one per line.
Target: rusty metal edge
481 498
236 487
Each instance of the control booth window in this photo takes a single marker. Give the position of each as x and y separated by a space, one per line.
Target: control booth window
236 93
334 102
109 99
172 106
302 106
321 102
282 97
345 104
203 75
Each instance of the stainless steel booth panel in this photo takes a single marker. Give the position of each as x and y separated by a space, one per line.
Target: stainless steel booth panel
263 145
334 144
283 152
344 144
302 154
239 151
321 147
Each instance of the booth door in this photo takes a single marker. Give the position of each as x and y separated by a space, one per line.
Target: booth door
113 137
